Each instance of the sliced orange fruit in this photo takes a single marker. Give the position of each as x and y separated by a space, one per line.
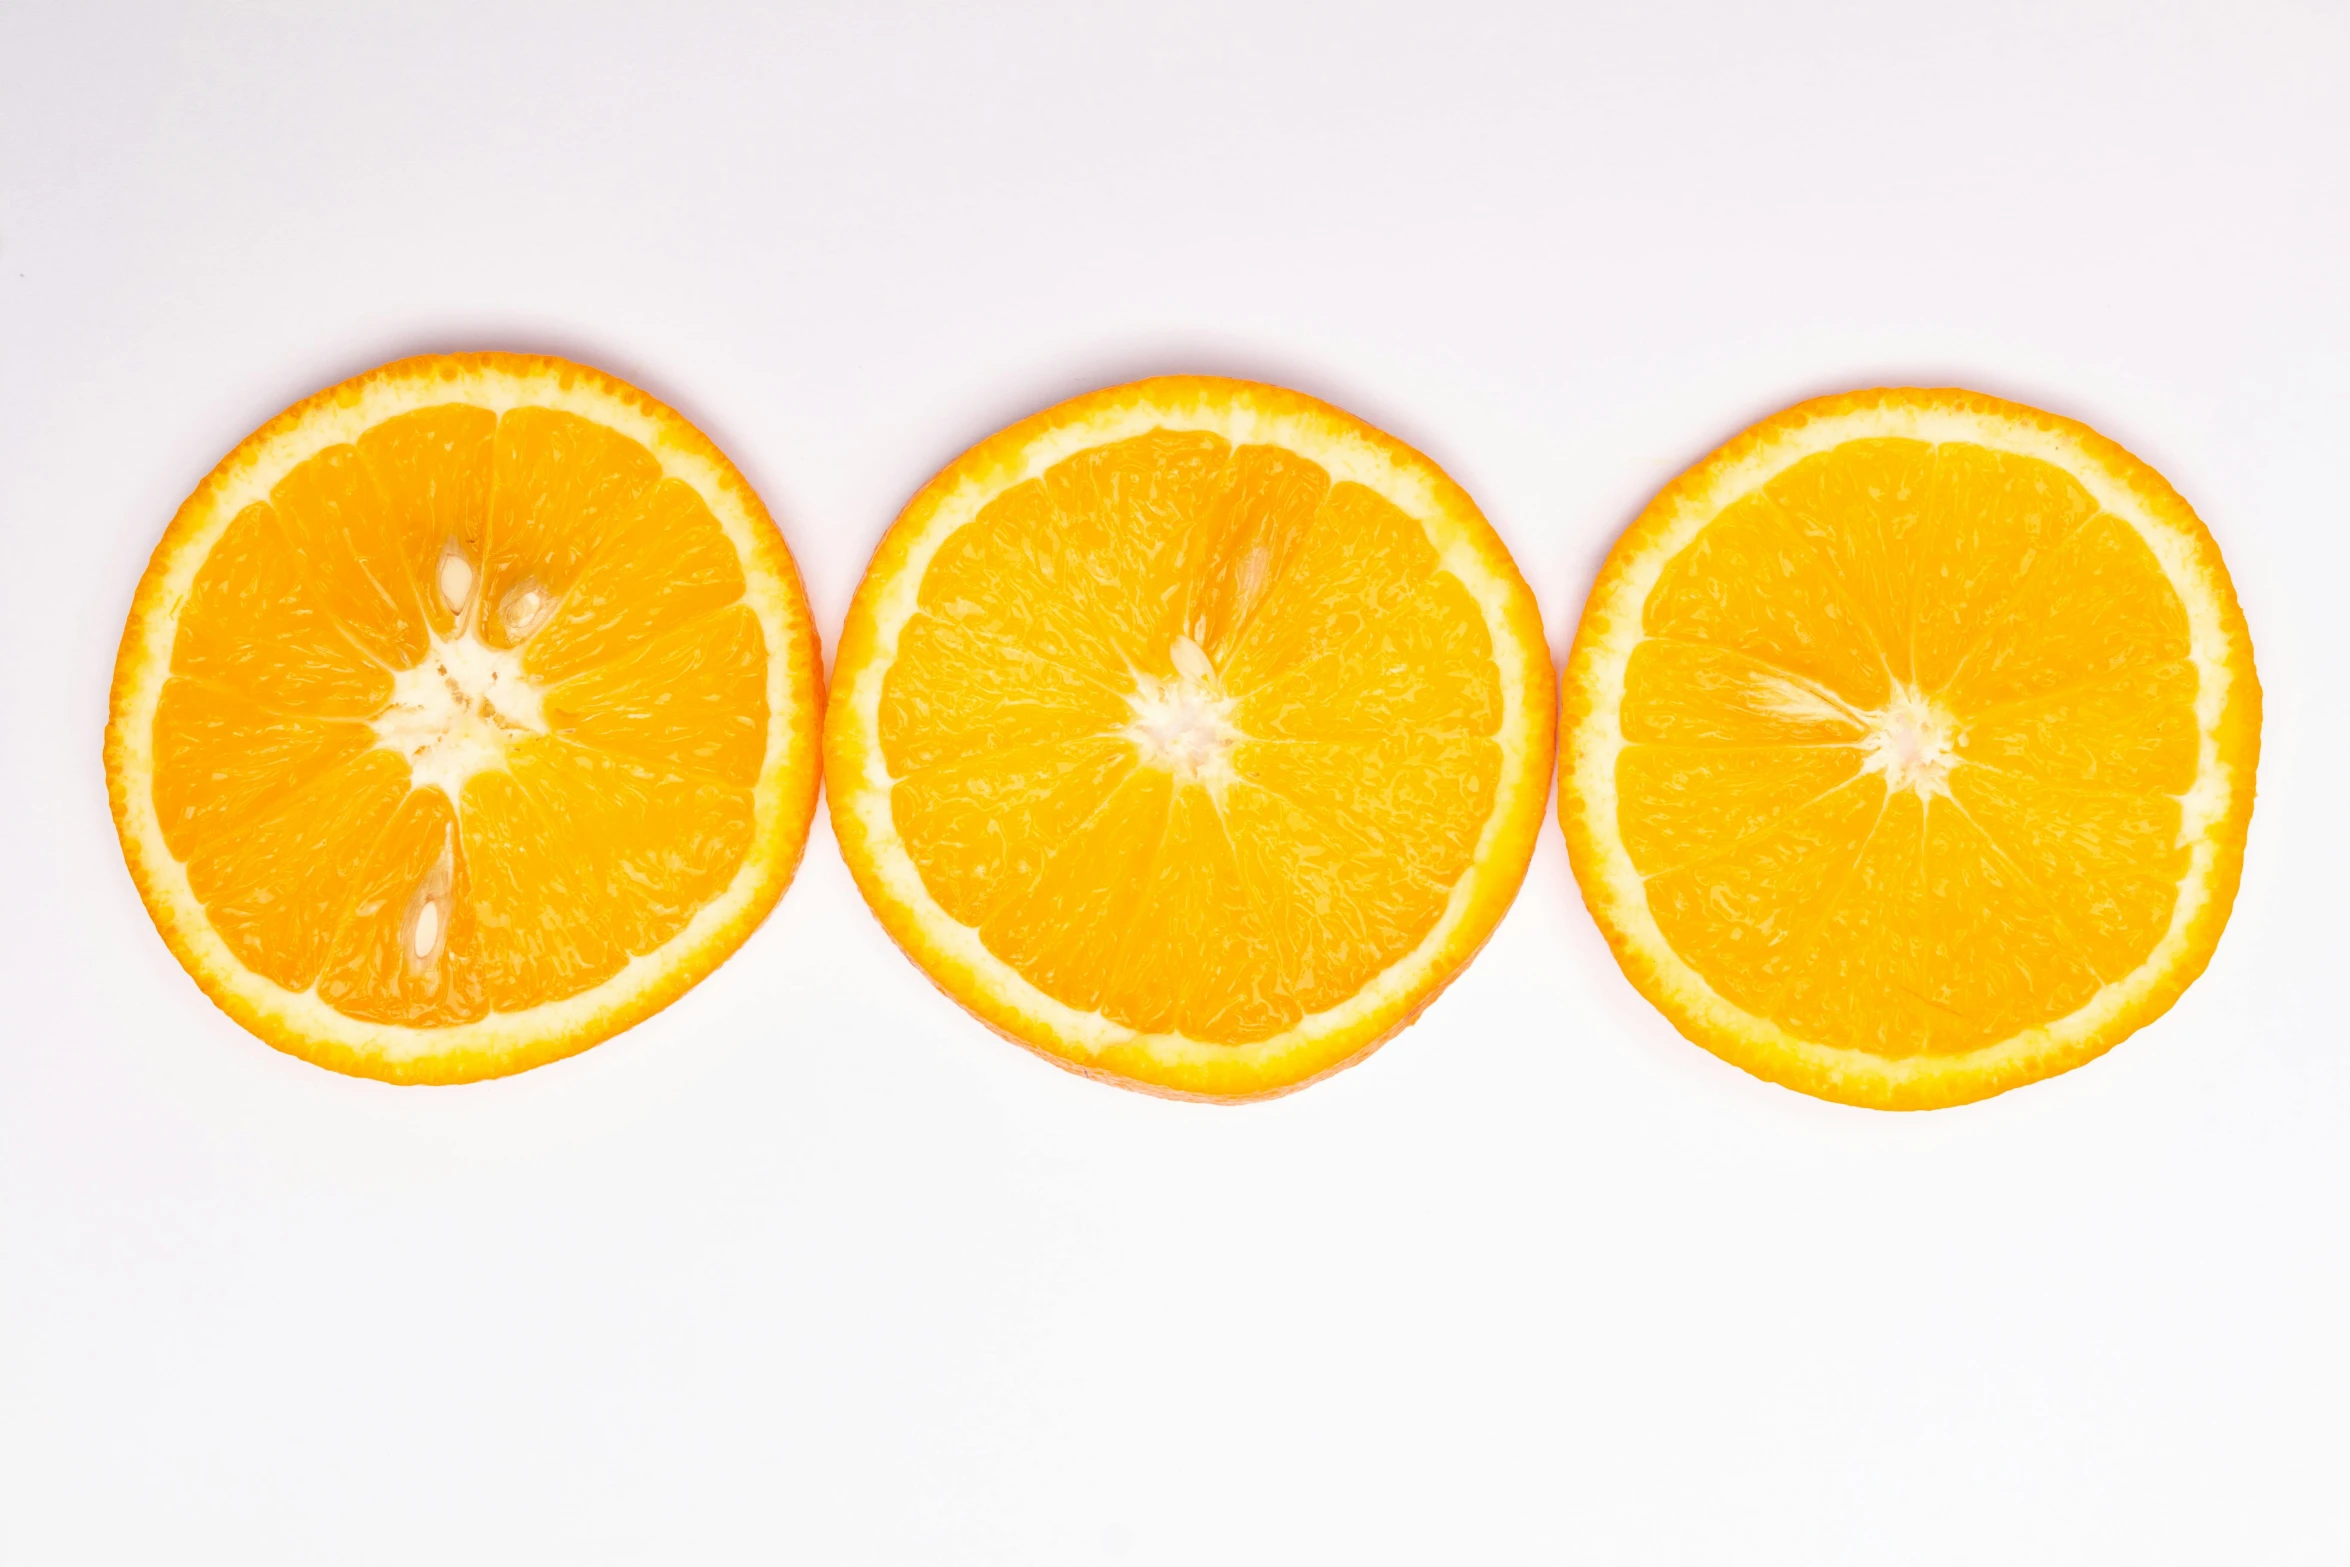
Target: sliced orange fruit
1192 733
467 714
1908 747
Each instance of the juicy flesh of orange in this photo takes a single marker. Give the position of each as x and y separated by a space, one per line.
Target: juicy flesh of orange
463 717
1195 738
1906 742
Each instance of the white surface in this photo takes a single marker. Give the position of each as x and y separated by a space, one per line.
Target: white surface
812 1269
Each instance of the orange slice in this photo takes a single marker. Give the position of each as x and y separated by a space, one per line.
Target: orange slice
1909 748
1192 733
466 715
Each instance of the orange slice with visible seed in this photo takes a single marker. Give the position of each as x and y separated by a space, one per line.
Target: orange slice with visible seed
1192 733
467 714
1908 747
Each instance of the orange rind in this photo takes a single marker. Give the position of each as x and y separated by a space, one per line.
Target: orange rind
1908 747
1192 733
468 713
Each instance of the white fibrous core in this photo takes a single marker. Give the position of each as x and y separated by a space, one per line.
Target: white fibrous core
1913 742
1183 723
455 713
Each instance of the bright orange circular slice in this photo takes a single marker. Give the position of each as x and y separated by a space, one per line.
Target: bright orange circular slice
1908 748
1192 733
467 714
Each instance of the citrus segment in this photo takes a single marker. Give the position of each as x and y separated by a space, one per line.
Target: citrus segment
1064 931
694 700
275 888
467 714
255 623
408 950
432 467
1750 585
2100 605
559 485
1192 733
342 536
2134 731
223 759
980 828
667 563
1910 746
1684 804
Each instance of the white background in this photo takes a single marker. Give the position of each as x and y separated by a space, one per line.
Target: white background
810 1268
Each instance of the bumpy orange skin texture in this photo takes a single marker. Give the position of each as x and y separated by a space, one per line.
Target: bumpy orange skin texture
1192 734
285 832
1908 748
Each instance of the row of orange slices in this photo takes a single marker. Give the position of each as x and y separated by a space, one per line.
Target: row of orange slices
1192 733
